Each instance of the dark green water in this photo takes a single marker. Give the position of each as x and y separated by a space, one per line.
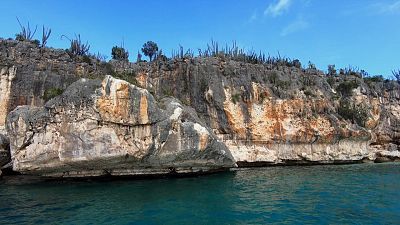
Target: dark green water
349 194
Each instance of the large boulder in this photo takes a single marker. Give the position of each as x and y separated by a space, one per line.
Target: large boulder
112 128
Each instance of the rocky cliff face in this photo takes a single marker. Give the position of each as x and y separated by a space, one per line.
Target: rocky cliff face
263 113
28 72
112 128
276 114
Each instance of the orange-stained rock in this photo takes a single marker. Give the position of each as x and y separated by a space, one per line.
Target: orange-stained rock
141 78
7 75
114 103
143 113
234 116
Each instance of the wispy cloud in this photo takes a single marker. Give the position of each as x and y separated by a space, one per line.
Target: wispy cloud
277 8
386 7
298 25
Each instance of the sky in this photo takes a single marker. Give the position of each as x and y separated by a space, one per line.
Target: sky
358 33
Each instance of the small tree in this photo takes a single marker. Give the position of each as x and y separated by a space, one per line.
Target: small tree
119 53
149 49
311 66
296 63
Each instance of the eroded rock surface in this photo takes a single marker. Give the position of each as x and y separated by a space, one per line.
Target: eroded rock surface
272 113
277 114
5 157
112 128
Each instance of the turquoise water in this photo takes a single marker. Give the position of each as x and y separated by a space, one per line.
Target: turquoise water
349 194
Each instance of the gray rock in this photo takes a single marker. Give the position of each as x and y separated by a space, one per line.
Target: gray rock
112 128
4 150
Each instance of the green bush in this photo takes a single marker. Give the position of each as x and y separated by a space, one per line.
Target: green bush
331 81
355 113
296 63
376 78
51 93
273 78
236 98
308 92
283 85
119 53
346 88
127 76
86 59
331 70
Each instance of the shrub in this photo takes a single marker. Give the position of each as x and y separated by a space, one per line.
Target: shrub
35 42
107 68
119 53
375 79
308 92
355 113
331 70
128 76
283 85
167 91
350 70
273 78
236 98
307 80
331 81
311 66
51 93
346 88
364 73
86 59
149 49
296 63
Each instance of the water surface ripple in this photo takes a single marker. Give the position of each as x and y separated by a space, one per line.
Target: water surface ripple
348 194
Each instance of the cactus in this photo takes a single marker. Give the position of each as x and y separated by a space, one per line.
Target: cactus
26 33
45 36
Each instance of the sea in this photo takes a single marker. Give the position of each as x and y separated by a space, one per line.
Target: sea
331 194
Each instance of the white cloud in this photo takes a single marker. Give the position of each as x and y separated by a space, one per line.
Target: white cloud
277 8
298 25
384 8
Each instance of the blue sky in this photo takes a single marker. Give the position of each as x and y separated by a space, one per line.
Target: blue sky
362 33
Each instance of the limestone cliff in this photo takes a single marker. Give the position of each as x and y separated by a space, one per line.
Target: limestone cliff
27 72
275 113
278 114
112 128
